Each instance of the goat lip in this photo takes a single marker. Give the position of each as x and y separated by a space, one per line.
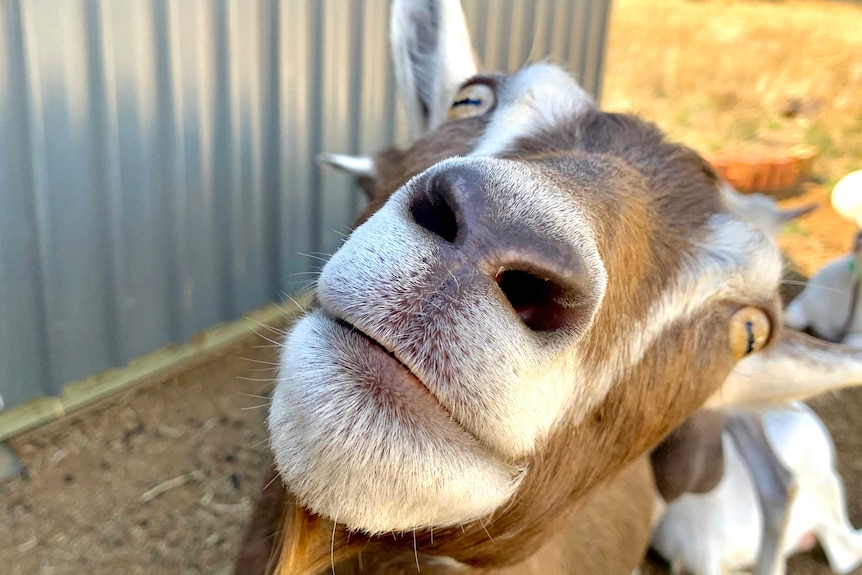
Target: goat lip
405 379
392 358
352 328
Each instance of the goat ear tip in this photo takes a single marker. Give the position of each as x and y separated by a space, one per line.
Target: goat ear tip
331 160
793 213
324 158
360 165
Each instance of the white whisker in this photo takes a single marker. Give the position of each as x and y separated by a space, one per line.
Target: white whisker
254 396
272 341
255 407
273 363
257 379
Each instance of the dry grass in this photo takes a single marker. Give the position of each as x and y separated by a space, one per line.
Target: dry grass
716 74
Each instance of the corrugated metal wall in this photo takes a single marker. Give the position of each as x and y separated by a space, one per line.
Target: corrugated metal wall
156 158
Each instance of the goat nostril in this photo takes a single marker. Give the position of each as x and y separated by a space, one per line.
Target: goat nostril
542 304
432 209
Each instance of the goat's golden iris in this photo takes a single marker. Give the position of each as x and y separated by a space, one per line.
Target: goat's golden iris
749 331
473 100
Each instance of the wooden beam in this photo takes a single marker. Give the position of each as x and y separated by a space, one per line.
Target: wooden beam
154 366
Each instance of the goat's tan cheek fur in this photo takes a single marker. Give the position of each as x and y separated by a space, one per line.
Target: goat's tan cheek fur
749 331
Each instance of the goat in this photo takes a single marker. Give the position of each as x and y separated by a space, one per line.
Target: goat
829 304
761 210
847 197
719 531
691 459
510 329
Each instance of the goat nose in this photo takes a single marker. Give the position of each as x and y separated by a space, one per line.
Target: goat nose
436 205
544 281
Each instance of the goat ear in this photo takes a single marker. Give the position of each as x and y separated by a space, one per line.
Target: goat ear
792 214
796 367
432 54
691 458
759 209
362 168
359 166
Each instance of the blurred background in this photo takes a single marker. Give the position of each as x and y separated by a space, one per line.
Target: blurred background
157 159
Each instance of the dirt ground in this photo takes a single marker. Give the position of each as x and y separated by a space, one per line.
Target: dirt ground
160 479
737 75
87 505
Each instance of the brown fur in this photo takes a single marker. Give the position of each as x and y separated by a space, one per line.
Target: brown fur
614 519
638 190
395 166
260 536
691 458
607 534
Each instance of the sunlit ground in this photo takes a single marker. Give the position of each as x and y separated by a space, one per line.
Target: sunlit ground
722 74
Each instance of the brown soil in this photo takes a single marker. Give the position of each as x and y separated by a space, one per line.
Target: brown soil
743 76
80 507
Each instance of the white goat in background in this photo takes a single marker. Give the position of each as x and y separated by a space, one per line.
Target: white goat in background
829 304
721 531
760 486
761 210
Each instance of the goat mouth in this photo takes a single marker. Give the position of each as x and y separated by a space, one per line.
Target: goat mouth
397 371
353 329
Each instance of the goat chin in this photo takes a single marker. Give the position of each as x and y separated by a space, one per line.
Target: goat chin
380 454
615 520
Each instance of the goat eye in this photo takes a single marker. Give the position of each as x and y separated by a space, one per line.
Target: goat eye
749 331
472 100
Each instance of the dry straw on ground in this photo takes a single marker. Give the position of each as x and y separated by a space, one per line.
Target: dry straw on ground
727 74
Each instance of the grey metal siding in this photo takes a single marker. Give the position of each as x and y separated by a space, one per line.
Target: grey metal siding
157 169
